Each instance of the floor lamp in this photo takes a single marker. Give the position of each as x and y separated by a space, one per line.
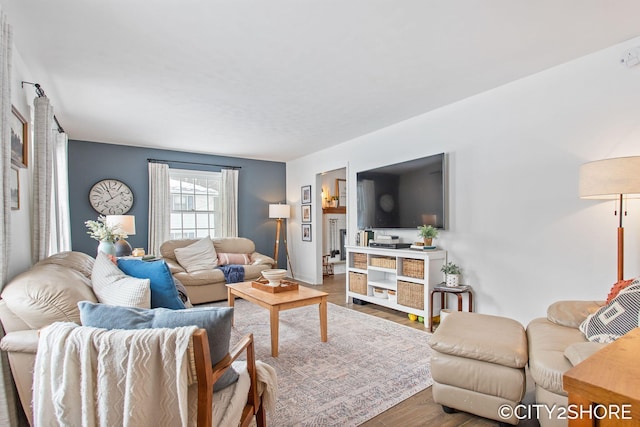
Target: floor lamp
616 178
280 212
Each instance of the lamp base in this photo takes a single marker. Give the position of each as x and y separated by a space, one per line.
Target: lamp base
123 248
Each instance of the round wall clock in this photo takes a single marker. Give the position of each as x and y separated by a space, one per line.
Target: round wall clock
111 197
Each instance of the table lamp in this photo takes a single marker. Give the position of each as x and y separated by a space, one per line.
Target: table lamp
615 178
125 224
280 212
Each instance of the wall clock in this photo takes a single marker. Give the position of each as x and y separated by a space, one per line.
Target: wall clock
111 197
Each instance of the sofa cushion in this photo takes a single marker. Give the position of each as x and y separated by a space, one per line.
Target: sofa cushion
216 321
225 258
47 293
198 256
112 286
547 343
615 319
482 337
163 288
236 245
572 313
579 351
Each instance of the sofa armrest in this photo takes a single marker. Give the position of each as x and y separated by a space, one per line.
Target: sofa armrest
174 267
572 313
25 341
258 258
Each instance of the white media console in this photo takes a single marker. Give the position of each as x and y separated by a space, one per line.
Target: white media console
400 279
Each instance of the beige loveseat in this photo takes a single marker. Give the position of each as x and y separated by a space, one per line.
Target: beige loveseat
209 285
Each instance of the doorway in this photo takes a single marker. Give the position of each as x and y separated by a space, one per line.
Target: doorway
334 221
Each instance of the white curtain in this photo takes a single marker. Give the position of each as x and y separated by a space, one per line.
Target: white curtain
366 202
229 202
50 215
8 397
60 237
159 206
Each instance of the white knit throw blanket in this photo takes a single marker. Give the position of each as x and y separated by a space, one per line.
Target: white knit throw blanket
86 376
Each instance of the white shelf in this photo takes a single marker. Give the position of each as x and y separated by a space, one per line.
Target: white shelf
387 278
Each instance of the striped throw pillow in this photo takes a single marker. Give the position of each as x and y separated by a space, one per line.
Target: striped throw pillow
616 318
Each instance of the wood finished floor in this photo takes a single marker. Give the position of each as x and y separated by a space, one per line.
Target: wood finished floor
419 409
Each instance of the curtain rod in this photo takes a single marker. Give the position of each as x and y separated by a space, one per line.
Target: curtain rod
41 94
192 163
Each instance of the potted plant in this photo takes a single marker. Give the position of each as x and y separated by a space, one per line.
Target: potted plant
451 273
428 233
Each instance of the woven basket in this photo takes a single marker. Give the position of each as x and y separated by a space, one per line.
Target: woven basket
358 283
383 261
411 294
413 268
360 260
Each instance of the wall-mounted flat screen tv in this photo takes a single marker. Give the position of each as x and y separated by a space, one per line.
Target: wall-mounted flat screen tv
403 195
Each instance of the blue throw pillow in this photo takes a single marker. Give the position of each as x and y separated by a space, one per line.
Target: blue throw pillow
163 288
216 321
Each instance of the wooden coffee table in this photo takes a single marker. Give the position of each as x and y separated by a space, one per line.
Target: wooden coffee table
278 302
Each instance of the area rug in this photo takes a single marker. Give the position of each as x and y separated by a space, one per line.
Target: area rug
367 366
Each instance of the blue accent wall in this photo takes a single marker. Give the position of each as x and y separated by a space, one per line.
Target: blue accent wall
259 184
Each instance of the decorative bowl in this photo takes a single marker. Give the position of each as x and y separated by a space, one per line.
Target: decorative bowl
274 276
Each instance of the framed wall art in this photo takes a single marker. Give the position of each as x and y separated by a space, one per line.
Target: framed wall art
306 213
306 194
306 232
14 185
19 138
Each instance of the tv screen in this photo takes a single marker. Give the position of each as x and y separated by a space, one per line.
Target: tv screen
403 195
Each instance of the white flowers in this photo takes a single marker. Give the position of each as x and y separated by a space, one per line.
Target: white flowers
102 232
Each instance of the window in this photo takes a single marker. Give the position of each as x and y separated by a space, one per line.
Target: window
195 204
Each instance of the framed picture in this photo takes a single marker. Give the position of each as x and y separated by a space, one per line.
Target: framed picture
14 184
341 191
19 135
306 213
306 194
306 232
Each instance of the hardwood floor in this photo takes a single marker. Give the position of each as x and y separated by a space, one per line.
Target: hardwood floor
419 409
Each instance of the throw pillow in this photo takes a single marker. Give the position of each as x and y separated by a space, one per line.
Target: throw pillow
616 288
216 320
112 286
229 258
198 256
163 288
616 318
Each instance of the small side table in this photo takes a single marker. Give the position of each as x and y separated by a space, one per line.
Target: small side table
444 290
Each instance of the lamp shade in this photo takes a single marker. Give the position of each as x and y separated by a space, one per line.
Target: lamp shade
609 178
125 223
279 211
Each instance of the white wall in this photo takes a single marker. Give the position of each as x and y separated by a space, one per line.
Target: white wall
20 238
516 225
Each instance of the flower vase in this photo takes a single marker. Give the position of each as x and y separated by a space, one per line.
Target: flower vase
107 247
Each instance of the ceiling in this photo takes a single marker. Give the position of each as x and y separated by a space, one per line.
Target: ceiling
279 79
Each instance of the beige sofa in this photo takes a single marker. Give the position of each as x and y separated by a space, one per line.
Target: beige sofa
555 345
49 292
209 285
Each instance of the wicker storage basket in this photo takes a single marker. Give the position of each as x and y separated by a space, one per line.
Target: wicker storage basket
358 283
383 261
360 260
413 268
411 294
